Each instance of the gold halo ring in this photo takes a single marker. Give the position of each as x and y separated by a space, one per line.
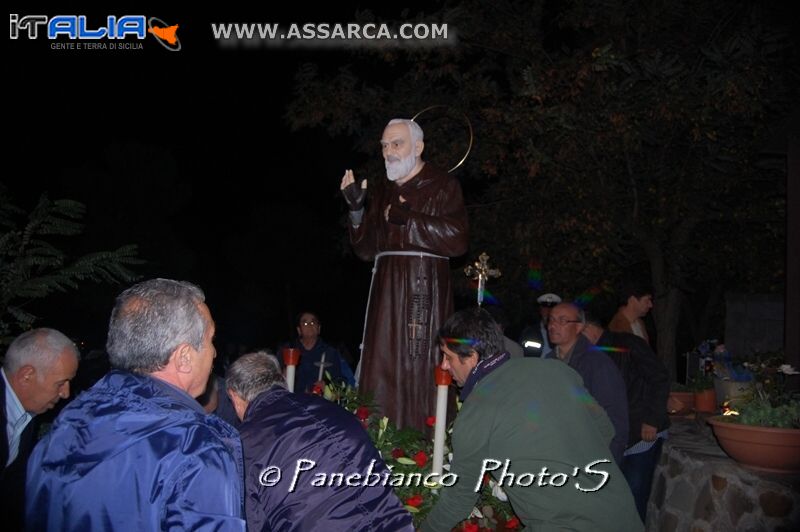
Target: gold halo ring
469 128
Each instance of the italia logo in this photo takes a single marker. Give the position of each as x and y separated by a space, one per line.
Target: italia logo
77 27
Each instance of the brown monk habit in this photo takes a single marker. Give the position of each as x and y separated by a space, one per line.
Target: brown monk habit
411 295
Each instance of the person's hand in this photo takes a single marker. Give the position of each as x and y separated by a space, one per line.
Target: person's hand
353 194
649 432
396 217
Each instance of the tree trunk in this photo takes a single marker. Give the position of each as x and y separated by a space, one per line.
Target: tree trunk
666 304
667 312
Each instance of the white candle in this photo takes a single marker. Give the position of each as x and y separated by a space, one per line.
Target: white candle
443 380
291 356
321 367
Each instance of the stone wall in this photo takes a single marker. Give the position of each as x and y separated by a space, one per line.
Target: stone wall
696 487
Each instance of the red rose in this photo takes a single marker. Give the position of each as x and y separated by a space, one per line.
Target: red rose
485 478
470 527
430 421
362 413
397 453
421 458
317 389
414 501
513 523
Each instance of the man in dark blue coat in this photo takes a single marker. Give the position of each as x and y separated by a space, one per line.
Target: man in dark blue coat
136 451
291 441
600 376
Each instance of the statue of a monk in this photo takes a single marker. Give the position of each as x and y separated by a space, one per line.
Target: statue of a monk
410 229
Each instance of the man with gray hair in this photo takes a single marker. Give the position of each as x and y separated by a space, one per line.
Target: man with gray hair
410 229
136 451
37 370
289 440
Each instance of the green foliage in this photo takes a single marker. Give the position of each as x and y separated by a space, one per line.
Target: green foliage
678 387
770 403
763 413
33 263
701 382
407 452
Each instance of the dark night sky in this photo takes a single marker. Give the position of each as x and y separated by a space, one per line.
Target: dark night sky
132 134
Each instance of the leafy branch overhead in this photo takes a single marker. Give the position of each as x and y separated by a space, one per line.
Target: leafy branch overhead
34 263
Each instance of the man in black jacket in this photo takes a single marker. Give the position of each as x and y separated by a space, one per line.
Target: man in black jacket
291 441
647 382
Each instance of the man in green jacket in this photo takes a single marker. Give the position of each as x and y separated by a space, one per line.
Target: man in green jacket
532 425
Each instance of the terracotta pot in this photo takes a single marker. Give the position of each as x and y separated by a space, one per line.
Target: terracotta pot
762 448
705 401
680 403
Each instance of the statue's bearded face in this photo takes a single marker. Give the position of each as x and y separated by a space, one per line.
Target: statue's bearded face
397 168
398 151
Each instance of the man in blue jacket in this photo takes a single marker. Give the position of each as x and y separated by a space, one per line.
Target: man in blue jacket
136 451
295 445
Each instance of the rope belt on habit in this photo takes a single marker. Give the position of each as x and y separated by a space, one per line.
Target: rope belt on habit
420 254
408 254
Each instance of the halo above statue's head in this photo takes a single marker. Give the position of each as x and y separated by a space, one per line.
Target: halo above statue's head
466 121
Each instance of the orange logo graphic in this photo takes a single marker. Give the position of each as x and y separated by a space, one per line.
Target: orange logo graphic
166 34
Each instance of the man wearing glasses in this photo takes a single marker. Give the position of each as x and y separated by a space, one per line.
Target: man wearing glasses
312 350
600 375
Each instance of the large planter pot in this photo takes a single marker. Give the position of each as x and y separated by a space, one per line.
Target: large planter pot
680 403
763 448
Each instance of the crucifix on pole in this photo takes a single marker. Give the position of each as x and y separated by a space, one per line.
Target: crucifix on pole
481 271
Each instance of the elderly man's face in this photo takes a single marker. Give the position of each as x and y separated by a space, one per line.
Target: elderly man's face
399 152
563 327
45 387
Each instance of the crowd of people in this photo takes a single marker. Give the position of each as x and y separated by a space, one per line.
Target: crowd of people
160 442
139 451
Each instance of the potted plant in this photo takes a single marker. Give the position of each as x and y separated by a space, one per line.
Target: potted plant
705 398
762 429
681 400
697 386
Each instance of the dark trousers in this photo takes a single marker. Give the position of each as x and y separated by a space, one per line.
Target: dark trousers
638 470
